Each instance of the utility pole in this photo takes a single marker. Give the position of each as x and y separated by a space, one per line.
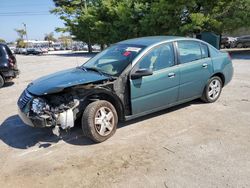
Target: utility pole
25 29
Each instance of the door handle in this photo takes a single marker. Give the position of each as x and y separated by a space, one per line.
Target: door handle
171 75
204 65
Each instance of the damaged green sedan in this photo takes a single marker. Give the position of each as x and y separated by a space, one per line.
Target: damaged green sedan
130 79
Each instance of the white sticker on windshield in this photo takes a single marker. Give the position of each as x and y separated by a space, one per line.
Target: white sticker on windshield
133 49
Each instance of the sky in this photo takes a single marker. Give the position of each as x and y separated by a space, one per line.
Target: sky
34 13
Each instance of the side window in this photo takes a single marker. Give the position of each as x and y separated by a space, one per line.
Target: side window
159 58
189 51
8 51
204 51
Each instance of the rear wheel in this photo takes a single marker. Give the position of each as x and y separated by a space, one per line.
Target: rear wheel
212 90
240 45
1 81
99 121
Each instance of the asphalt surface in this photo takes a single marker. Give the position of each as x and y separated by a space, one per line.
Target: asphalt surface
191 145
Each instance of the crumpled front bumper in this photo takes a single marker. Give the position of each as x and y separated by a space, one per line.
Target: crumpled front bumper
32 121
24 106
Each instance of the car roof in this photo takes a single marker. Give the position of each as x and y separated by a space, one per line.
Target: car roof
148 41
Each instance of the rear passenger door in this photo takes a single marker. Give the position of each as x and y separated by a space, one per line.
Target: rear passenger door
195 68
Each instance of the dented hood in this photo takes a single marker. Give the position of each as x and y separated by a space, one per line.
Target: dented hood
56 82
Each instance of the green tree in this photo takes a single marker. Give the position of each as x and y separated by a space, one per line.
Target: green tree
109 21
20 41
21 33
65 40
2 41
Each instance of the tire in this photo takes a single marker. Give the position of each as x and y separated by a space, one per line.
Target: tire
240 45
99 121
1 81
212 90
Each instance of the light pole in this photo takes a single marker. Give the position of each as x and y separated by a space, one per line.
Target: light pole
25 29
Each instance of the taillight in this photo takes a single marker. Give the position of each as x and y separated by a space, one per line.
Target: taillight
11 62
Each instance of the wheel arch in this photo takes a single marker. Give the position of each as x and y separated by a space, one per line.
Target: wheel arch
104 94
221 76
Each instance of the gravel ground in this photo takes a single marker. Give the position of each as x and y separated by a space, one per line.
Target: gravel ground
191 145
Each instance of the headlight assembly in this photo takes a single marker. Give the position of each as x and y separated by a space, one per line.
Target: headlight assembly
38 105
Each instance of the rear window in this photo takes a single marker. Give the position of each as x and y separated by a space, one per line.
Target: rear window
189 51
8 51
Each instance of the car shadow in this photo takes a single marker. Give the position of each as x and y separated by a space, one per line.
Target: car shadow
8 84
241 55
162 112
16 134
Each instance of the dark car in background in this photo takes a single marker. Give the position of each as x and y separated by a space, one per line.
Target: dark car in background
33 51
8 65
243 42
227 42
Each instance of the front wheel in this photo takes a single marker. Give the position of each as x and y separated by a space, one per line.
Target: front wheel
99 120
212 90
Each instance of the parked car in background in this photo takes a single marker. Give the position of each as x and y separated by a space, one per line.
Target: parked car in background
8 65
44 50
51 49
33 51
21 50
127 80
96 47
228 42
57 48
243 42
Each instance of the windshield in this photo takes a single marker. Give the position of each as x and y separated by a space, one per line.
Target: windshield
114 59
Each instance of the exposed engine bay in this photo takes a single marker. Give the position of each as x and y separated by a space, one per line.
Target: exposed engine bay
58 111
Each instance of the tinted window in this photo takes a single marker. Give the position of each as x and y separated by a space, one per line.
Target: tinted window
8 51
204 51
159 58
189 51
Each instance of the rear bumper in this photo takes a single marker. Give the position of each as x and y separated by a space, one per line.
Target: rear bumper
228 73
10 74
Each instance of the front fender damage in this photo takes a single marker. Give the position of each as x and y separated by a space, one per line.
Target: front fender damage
60 110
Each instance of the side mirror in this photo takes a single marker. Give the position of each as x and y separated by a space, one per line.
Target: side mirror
141 73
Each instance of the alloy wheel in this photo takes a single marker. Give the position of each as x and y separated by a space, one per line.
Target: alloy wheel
104 121
214 89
